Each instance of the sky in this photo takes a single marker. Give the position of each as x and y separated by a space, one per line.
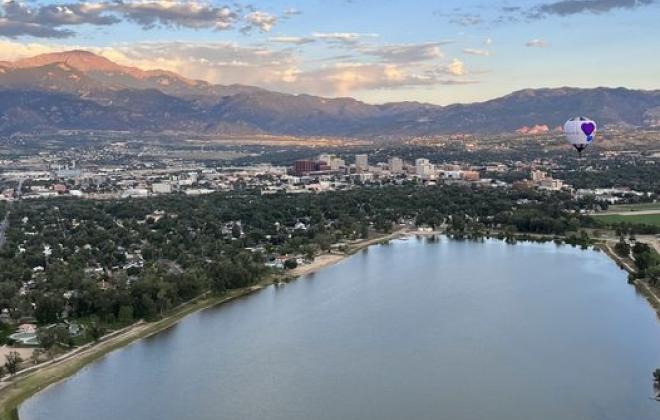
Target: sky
377 51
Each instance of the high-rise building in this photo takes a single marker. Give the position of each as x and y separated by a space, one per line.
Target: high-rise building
362 162
333 161
336 163
307 166
395 165
301 167
424 168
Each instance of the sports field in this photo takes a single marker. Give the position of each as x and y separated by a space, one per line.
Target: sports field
646 219
633 207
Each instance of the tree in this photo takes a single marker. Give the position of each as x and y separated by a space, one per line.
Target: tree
654 274
13 359
95 330
622 248
125 315
290 264
308 251
47 338
364 231
48 309
643 261
236 230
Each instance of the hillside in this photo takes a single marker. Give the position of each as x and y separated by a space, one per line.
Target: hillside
81 90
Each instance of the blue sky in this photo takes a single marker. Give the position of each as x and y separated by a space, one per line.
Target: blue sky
377 51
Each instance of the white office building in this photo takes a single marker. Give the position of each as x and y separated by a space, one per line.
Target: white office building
333 161
424 168
362 162
337 163
395 165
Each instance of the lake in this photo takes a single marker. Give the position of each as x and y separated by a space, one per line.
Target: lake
413 329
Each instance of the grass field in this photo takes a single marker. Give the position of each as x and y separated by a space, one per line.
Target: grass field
634 207
642 219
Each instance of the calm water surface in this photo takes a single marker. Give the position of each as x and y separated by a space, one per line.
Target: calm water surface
416 330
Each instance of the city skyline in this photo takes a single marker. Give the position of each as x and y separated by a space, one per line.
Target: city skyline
374 51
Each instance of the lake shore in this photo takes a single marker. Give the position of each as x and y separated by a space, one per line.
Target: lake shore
642 287
331 258
32 380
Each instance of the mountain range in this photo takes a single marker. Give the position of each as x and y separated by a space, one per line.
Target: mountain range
78 90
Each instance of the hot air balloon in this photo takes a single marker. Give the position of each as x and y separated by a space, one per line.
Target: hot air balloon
580 132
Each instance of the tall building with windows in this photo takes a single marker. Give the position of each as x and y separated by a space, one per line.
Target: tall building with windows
336 163
301 167
424 168
395 165
362 162
333 161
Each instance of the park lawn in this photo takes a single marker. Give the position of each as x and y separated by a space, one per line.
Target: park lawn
639 219
634 207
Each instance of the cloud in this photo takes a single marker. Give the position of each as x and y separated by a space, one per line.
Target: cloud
13 50
475 51
276 69
18 19
281 70
460 16
348 38
50 21
506 15
536 43
174 13
455 68
260 20
467 20
405 53
291 12
12 29
488 41
571 7
58 14
343 80
294 40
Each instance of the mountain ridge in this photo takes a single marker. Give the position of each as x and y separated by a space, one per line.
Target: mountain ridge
46 89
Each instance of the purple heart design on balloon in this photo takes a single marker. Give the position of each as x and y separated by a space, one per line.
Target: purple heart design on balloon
588 128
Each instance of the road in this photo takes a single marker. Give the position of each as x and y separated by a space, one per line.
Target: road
5 223
3 229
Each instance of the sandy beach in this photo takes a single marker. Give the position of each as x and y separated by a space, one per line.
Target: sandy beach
327 259
321 261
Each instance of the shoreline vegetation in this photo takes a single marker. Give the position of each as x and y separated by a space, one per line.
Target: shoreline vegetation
26 383
18 388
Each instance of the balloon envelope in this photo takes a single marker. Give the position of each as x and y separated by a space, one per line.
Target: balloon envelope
580 132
